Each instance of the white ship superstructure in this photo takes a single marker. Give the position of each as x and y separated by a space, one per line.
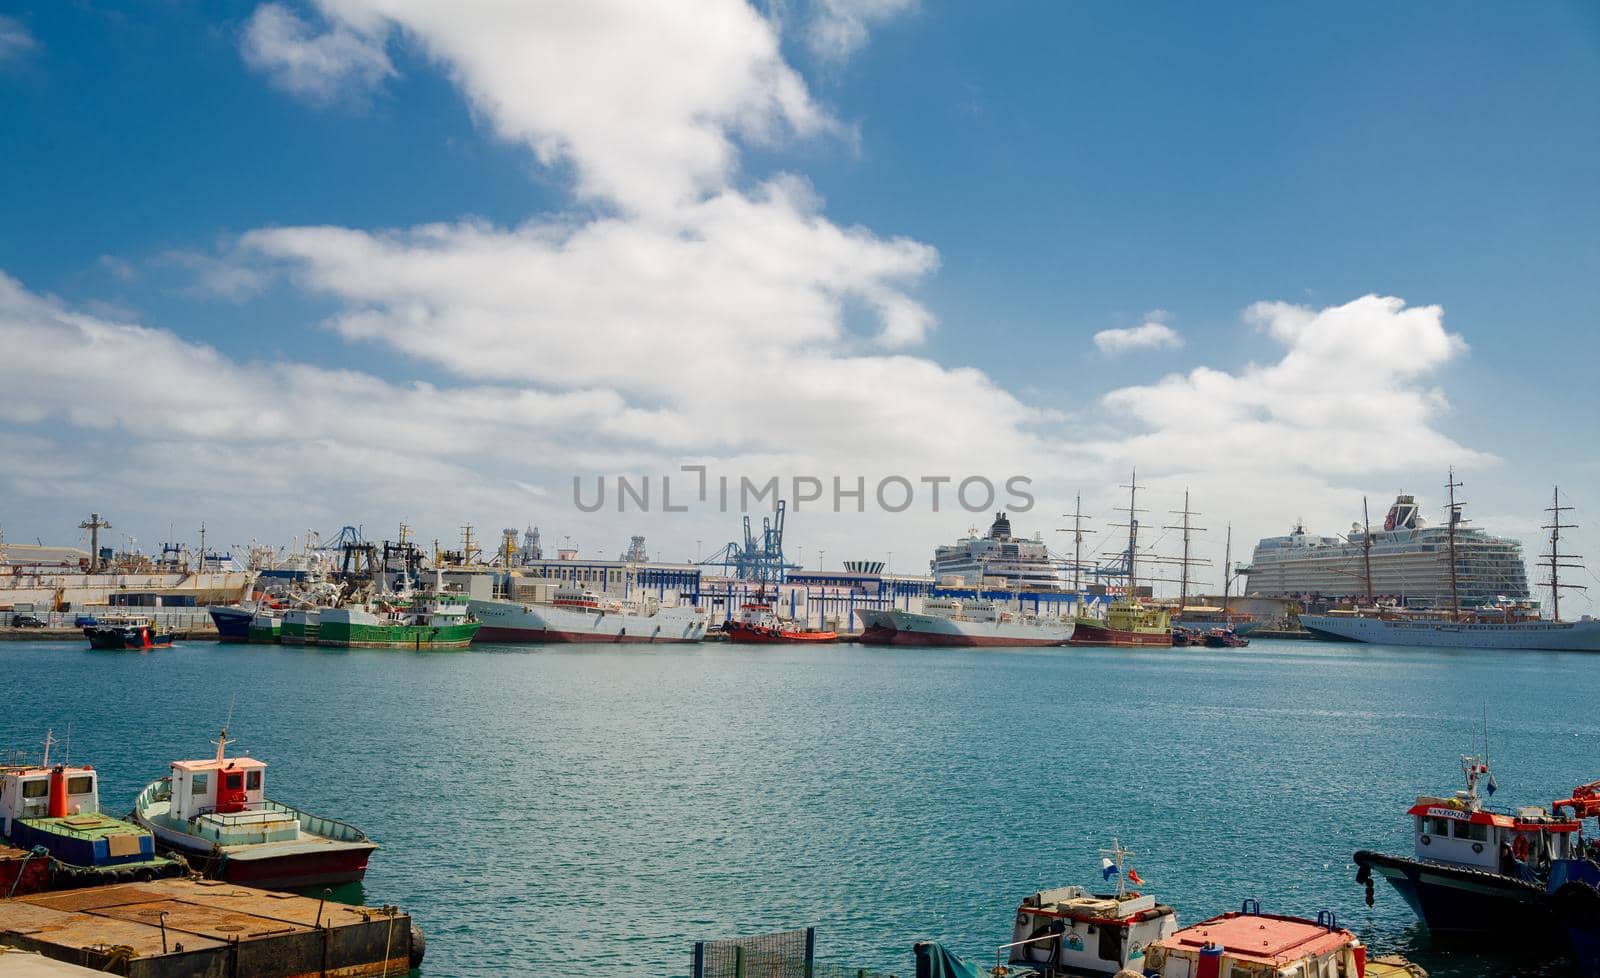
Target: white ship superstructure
1409 561
1021 563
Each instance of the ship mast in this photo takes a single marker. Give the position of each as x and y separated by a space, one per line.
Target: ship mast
1366 550
1078 516
1552 561
1187 527
1227 574
1455 517
1133 529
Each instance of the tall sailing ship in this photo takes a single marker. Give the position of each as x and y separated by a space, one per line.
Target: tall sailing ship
1502 625
1128 622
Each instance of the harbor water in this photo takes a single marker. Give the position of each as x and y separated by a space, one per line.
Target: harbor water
594 810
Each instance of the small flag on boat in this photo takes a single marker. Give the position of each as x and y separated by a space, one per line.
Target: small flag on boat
1133 877
1108 868
1492 786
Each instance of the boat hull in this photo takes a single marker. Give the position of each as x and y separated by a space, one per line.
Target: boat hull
233 624
515 623
896 627
1565 636
1457 901
746 634
1090 633
1575 899
339 628
125 640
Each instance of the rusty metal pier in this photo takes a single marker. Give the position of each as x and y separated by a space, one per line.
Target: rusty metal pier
208 929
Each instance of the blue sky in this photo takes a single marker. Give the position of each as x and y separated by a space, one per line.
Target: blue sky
1011 178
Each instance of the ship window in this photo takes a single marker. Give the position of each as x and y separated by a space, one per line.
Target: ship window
37 788
1438 826
81 785
199 784
252 781
1467 830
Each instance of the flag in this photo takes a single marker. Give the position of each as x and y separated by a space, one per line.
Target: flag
1108 868
1492 786
1133 877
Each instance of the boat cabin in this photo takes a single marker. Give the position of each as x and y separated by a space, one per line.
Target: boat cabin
1070 931
41 792
1459 831
1251 944
223 800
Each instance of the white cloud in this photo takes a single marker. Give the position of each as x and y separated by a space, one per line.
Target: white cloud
838 28
340 63
1149 335
16 41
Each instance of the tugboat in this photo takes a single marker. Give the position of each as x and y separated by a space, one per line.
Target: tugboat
123 634
1224 638
1474 870
1574 884
216 813
758 624
1069 931
55 810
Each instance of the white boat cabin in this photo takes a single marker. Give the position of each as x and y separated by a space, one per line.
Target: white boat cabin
223 800
1069 930
47 792
1459 831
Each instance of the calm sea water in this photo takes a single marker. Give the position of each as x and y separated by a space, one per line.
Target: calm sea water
559 811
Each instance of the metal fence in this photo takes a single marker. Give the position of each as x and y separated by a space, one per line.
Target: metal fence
787 954
169 619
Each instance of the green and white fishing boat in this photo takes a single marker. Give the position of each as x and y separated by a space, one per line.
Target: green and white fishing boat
266 626
301 626
429 620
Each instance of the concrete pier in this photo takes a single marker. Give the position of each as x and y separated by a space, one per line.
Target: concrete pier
209 929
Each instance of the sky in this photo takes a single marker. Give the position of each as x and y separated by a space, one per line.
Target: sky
282 266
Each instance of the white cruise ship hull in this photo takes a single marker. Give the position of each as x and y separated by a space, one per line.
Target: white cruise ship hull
512 621
895 627
1564 636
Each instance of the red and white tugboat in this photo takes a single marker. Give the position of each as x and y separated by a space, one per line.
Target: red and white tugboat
1474 870
1069 931
216 813
758 624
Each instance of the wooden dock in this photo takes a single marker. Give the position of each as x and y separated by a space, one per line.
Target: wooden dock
209 929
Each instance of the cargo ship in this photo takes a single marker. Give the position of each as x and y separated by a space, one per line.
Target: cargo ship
215 812
952 621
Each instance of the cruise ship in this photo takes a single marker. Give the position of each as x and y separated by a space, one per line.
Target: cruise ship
1410 563
1020 563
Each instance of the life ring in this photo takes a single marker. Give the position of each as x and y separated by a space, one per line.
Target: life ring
1426 841
1477 847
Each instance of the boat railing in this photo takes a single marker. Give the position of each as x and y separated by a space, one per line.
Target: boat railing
328 828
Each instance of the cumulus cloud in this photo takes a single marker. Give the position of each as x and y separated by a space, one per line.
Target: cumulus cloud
1350 394
1152 334
16 41
839 28
339 63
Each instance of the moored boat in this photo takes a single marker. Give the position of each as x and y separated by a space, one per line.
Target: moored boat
216 812
266 626
576 614
232 621
425 621
1473 870
1250 943
971 622
301 626
1574 884
759 624
1070 931
1129 623
56 809
1224 638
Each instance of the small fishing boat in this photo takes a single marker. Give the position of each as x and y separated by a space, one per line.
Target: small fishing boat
1474 870
758 624
216 813
1253 943
1224 638
1129 623
55 809
121 634
1070 931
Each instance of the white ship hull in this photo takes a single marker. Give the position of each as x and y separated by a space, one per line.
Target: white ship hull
1565 636
896 627
96 590
511 621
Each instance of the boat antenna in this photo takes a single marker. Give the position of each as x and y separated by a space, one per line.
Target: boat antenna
68 751
1552 561
1455 517
1366 550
